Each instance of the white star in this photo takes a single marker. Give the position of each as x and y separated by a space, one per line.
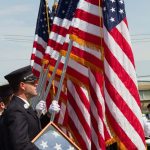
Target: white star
121 1
112 1
58 147
121 11
104 8
44 144
112 9
55 134
70 148
112 19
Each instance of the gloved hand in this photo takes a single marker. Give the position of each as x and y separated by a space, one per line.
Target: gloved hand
54 107
41 108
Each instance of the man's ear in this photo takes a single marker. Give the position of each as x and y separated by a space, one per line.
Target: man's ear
22 85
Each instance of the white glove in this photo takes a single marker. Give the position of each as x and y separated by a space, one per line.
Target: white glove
41 108
54 107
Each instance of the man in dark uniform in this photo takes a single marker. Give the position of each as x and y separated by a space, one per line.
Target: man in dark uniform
20 120
22 123
5 97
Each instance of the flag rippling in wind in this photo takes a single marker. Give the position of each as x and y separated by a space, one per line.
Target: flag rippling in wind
121 92
59 31
121 95
101 79
58 36
41 37
85 109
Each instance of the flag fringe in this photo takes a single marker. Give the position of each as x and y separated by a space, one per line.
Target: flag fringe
74 79
110 141
86 43
45 61
58 72
82 61
120 145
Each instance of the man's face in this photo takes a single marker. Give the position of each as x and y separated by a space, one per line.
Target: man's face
2 107
30 89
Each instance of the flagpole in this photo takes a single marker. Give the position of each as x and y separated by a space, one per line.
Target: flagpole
34 100
43 84
51 78
62 77
47 14
43 74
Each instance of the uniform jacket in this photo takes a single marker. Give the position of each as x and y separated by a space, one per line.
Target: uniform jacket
22 125
3 135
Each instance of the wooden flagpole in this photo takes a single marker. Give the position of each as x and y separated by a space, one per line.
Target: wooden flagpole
47 14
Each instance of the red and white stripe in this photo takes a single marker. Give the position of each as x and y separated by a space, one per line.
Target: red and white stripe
121 92
79 114
85 102
39 47
86 106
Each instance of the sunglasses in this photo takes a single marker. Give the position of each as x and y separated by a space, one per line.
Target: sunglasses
33 82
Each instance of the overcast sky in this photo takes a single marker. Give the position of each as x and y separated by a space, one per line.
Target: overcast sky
17 27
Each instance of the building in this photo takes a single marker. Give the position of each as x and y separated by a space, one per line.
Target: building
144 90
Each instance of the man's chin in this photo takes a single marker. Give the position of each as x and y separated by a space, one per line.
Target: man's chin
35 94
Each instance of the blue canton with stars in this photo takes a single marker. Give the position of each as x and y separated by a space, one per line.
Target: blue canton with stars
113 13
42 23
66 9
51 139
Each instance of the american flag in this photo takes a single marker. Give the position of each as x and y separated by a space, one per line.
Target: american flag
60 27
86 101
58 36
121 92
85 91
85 110
53 139
41 36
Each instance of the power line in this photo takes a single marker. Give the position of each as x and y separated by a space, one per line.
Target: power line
29 38
17 35
141 38
12 59
138 34
143 76
133 42
142 34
